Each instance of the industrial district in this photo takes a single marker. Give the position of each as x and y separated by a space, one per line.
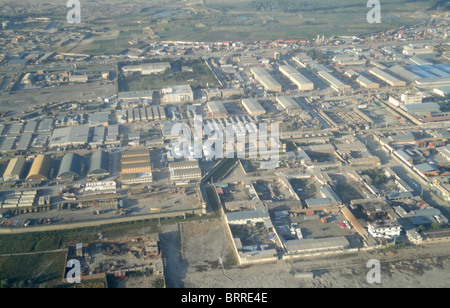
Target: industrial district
364 150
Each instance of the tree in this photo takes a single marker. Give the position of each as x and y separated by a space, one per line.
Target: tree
4 283
435 226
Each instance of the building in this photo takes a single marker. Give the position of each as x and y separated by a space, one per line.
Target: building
99 118
70 167
217 109
367 83
147 68
213 93
40 169
15 169
136 178
386 77
79 78
185 171
307 246
404 73
232 92
28 79
433 82
253 107
130 97
99 165
414 49
443 91
335 83
266 80
154 68
421 109
303 83
69 136
386 229
248 217
177 94
289 104
136 166
411 98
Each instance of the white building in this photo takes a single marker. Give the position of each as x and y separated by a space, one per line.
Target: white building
387 229
177 94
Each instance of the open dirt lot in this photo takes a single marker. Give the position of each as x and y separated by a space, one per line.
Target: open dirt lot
201 244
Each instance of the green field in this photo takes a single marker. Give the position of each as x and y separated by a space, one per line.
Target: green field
201 75
113 24
36 270
217 20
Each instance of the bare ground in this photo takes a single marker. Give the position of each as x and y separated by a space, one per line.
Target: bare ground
202 244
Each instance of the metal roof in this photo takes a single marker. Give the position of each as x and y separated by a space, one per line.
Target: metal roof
70 165
310 245
253 106
15 167
99 163
217 107
40 168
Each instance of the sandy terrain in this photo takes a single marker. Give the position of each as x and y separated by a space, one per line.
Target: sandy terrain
203 243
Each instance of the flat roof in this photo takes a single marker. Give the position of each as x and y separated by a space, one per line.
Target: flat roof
309 245
383 75
252 105
332 80
70 135
288 102
217 107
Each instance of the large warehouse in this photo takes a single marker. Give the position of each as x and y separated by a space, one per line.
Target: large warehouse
71 135
40 169
14 170
404 73
367 83
253 107
177 94
136 166
303 83
185 171
266 80
70 167
335 83
388 78
99 165
289 104
217 109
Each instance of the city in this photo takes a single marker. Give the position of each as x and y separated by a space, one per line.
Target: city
150 161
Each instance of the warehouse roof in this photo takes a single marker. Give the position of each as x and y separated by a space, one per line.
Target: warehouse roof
183 165
288 102
70 166
135 152
421 108
390 79
217 108
40 168
403 72
320 244
99 163
364 80
253 106
70 135
15 167
333 80
248 215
